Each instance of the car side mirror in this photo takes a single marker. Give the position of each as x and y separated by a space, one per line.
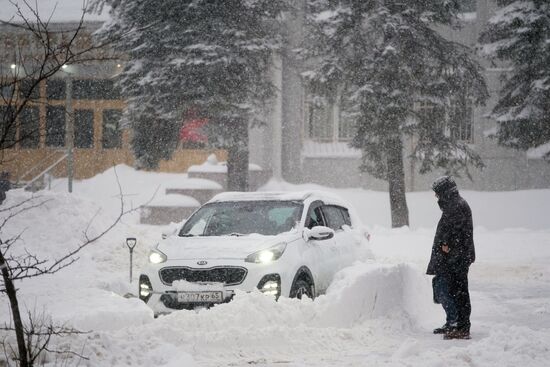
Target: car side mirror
318 233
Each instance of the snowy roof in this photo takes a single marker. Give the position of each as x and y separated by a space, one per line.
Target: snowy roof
178 200
220 167
193 184
339 149
539 152
56 11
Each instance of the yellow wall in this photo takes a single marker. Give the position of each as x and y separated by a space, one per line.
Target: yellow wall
90 162
87 162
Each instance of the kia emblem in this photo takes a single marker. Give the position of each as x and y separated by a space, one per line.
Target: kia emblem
202 262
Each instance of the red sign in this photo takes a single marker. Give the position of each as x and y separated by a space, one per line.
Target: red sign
192 131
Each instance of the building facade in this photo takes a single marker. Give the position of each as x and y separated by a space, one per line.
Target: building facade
300 142
100 140
304 143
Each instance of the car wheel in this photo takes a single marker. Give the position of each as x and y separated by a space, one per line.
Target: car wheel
301 288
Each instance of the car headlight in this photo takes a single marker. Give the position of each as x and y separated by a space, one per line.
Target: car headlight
267 255
156 257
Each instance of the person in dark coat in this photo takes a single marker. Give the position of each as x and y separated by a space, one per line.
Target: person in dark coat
452 254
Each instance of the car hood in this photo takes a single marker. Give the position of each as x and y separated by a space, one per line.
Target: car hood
223 247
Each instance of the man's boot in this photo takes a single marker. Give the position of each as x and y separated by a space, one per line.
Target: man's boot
442 330
457 333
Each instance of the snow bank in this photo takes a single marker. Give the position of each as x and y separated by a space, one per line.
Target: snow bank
176 200
55 224
373 313
366 302
368 291
358 295
491 210
138 188
44 221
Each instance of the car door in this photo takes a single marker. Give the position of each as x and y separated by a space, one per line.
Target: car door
321 251
344 240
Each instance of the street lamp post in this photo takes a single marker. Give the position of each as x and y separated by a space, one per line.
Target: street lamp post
69 121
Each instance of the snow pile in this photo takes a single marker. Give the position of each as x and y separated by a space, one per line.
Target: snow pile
378 290
366 302
45 220
374 313
175 200
52 226
358 294
137 188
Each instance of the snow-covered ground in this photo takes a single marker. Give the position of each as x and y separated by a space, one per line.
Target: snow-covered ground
373 314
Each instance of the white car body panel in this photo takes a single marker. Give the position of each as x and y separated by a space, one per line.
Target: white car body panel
322 258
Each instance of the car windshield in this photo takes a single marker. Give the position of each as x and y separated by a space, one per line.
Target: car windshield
243 217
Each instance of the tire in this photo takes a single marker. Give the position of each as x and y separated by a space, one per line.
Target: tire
301 287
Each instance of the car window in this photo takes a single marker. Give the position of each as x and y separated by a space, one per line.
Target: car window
345 214
198 227
197 223
281 215
334 217
315 217
243 217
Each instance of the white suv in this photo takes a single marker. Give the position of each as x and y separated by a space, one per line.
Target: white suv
281 243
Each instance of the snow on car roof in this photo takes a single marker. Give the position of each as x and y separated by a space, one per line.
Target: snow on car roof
275 196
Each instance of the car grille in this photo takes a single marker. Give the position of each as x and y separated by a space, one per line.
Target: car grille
226 275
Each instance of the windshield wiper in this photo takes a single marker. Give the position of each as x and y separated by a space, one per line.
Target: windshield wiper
236 234
187 235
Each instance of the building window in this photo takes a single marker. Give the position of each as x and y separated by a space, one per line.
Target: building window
458 123
7 92
29 133
112 133
29 89
432 117
319 121
95 89
55 126
345 127
326 123
462 122
84 128
8 128
55 89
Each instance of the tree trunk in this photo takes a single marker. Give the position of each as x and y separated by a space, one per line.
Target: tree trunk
396 180
237 158
16 315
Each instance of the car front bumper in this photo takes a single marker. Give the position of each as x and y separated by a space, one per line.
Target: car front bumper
162 296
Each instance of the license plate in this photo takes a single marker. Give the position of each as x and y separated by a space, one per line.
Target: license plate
200 297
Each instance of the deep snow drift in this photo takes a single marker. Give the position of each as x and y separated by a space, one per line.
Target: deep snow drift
377 313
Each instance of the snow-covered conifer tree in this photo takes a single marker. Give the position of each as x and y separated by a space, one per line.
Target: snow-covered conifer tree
394 74
518 35
209 56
